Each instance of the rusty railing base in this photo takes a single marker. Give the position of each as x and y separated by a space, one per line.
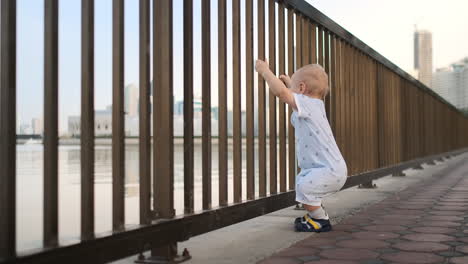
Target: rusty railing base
299 206
367 185
399 174
165 255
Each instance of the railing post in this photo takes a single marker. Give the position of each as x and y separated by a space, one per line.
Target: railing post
222 101
51 123
118 135
272 99
145 127
87 119
8 131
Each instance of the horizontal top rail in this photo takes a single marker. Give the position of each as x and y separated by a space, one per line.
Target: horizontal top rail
321 19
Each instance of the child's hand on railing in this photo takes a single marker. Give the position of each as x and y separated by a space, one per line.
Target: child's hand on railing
262 67
286 80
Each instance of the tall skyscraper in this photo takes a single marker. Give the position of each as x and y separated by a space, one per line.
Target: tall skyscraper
423 55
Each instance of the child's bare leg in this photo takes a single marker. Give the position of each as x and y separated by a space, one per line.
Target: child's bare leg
311 207
316 211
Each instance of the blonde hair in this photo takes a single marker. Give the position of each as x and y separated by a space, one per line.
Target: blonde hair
315 78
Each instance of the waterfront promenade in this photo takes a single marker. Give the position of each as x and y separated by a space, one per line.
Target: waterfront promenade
419 218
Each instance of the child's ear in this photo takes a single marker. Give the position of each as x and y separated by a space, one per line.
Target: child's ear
302 88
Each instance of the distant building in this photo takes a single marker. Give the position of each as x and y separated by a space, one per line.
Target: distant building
103 124
37 126
25 129
131 100
452 83
423 55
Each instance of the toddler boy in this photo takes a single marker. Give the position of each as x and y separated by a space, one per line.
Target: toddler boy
323 169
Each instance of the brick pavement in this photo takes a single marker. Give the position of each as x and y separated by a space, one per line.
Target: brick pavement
425 223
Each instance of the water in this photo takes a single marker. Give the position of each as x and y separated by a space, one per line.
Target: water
30 188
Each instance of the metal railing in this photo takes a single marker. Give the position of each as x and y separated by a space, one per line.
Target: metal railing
383 120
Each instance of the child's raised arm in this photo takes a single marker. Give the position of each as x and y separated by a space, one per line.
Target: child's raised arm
277 87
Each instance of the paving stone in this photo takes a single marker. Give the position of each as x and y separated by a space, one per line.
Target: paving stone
454 243
348 254
279 260
395 240
421 246
413 257
450 254
459 260
309 258
373 261
412 212
374 235
363 243
326 247
451 208
445 218
440 223
314 242
332 261
396 216
402 222
433 230
386 250
413 207
456 213
406 232
297 252
344 227
343 238
463 249
385 228
428 237
333 234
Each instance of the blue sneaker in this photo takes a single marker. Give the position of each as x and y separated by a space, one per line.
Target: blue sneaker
308 224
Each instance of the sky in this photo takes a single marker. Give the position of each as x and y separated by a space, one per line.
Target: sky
386 26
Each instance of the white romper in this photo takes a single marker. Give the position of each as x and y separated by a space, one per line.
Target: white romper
323 168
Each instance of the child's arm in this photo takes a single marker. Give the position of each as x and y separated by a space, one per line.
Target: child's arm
277 87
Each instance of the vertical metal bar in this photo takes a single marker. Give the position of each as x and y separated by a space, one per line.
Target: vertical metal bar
261 103
237 159
249 99
51 123
145 129
299 35
163 151
327 70
222 102
332 76
8 131
281 105
206 105
272 98
118 136
320 46
188 108
313 43
87 119
305 41
291 141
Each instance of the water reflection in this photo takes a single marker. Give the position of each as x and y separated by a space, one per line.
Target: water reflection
30 188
